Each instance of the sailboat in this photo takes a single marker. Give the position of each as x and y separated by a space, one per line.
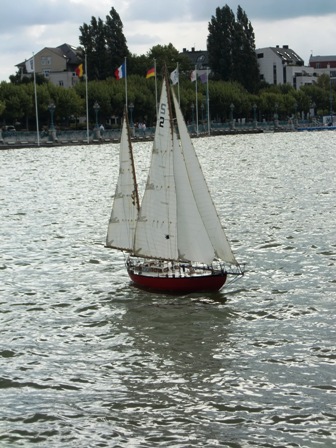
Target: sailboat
173 239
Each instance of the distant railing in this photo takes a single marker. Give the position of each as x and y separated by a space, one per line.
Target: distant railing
70 137
22 138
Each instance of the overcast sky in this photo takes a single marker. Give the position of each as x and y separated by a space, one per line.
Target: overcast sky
27 26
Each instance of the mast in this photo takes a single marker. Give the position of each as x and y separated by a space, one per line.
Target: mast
171 121
87 101
36 106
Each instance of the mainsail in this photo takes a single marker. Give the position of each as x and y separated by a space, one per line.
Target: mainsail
155 235
121 227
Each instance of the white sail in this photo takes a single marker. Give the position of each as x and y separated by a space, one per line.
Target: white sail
155 234
121 227
175 239
211 225
192 239
177 219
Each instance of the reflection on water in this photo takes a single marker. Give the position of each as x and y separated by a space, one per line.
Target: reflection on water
86 359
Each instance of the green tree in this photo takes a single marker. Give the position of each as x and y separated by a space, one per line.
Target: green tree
245 64
104 44
138 65
14 99
115 40
270 102
2 107
68 104
231 48
220 38
223 94
323 81
168 55
27 103
319 98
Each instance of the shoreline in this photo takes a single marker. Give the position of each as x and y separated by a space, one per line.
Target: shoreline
10 144
45 143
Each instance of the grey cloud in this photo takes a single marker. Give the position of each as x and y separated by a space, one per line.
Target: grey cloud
180 10
41 12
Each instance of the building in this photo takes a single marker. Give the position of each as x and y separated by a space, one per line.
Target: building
56 64
198 58
277 65
322 62
324 65
281 65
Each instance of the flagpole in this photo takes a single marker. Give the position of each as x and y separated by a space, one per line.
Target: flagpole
156 92
87 102
126 99
196 101
178 83
36 108
208 101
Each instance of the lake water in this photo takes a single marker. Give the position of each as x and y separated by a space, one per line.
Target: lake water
87 360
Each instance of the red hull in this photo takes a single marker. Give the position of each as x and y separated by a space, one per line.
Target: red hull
205 283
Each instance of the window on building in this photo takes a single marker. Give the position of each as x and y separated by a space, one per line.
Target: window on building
46 60
46 73
260 55
61 83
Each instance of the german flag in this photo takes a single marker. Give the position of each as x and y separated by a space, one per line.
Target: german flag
79 71
150 73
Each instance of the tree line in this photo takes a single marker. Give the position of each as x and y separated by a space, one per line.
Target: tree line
234 80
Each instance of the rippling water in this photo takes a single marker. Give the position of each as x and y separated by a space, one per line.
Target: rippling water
87 360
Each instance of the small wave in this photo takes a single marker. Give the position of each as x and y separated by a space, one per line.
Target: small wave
7 353
6 383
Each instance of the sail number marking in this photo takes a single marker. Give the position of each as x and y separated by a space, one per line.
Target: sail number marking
162 112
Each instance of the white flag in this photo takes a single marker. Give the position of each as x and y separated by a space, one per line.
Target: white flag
30 65
193 76
174 76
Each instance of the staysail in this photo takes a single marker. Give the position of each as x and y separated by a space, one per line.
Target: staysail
121 227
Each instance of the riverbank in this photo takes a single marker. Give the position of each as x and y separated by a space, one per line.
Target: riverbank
19 139
75 138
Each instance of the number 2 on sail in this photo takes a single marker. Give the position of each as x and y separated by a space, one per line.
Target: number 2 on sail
163 111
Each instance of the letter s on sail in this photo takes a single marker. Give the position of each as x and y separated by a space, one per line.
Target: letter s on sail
163 112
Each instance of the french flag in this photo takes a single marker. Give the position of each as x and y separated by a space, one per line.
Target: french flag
120 72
